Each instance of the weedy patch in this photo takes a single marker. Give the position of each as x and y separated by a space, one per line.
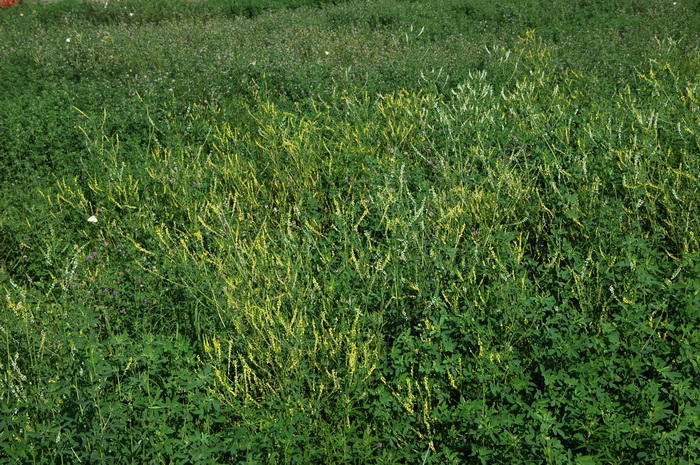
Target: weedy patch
300 262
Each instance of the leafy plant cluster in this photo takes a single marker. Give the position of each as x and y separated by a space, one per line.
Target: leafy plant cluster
493 260
57 56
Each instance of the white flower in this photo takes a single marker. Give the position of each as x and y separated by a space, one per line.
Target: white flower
131 14
92 219
68 39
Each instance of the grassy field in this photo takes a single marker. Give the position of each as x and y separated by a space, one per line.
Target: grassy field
339 232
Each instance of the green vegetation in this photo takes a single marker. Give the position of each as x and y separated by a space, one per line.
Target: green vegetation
372 232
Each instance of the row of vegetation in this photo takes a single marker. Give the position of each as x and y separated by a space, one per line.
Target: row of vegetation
287 231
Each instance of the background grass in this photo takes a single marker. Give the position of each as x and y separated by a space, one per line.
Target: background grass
350 232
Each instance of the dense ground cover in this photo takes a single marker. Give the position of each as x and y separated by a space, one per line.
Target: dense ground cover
350 232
